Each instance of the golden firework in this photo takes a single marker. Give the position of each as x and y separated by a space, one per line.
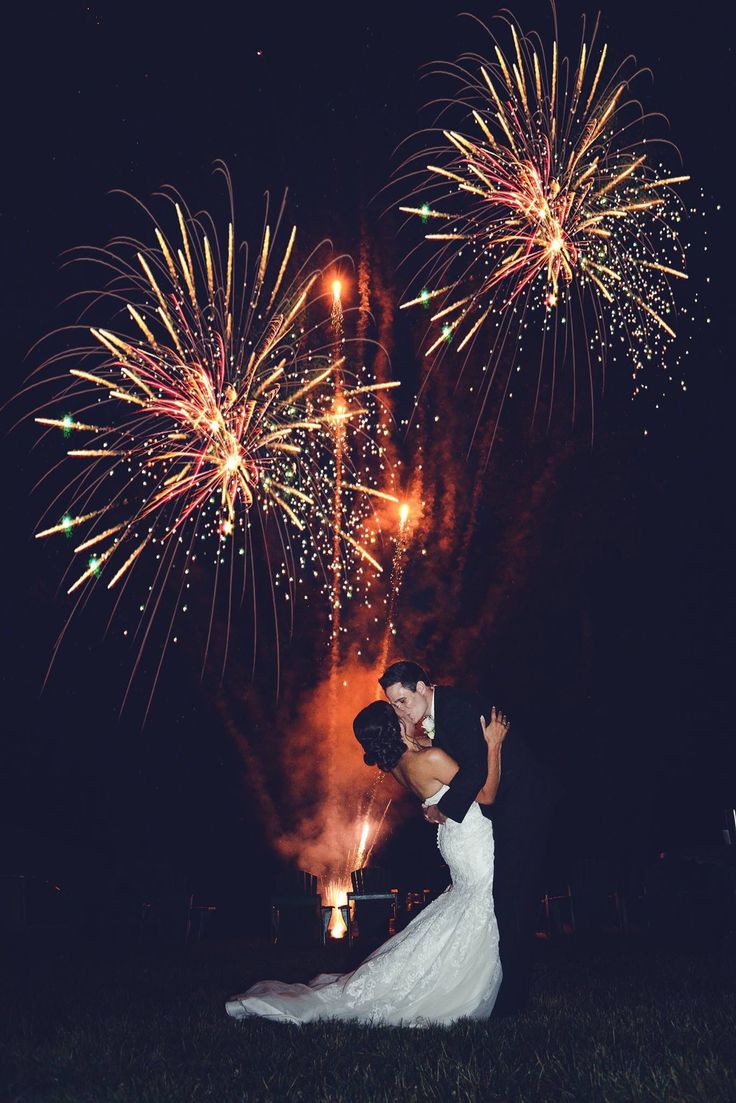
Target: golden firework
549 202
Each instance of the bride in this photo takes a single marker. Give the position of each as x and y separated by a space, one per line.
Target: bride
444 965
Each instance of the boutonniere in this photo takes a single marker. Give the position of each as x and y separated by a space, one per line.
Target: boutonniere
428 725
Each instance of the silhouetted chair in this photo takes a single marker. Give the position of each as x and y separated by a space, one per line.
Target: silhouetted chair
372 905
297 915
166 918
175 919
199 918
416 901
557 916
168 914
596 903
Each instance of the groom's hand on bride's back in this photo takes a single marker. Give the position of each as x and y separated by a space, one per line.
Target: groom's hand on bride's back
432 814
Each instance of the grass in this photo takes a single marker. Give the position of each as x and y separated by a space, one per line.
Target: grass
608 1024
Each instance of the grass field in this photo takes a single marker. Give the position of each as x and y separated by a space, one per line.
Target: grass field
611 1023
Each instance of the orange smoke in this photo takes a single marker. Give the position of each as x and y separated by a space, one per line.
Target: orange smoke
327 779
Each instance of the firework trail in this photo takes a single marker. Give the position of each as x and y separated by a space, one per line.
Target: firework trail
405 491
364 301
336 314
336 566
341 837
339 414
253 772
519 546
470 525
207 420
336 883
407 527
548 209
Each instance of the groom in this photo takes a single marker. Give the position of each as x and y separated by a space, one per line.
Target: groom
520 812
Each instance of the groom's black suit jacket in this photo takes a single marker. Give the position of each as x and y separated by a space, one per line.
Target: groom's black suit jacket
524 789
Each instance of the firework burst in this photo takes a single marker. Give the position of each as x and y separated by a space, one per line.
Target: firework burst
545 203
207 417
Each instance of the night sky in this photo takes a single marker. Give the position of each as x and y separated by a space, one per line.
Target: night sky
611 632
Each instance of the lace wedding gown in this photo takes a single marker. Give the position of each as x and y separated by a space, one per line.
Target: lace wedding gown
443 966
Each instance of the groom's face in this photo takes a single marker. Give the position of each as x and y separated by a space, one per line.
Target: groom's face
411 705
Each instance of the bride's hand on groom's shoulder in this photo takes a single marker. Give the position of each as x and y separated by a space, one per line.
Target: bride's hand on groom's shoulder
495 731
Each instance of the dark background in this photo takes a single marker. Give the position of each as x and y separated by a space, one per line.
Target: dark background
617 647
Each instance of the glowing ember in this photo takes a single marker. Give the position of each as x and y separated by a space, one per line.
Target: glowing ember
409 515
336 315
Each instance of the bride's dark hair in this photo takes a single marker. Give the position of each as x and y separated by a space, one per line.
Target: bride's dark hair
378 731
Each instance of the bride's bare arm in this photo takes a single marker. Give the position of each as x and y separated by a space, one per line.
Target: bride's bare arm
494 733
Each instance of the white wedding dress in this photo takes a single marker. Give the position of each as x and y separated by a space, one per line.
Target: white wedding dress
443 966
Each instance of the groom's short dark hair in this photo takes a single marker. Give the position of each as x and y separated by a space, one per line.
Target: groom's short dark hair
405 673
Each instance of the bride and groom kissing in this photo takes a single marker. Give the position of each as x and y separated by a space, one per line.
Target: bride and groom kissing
467 954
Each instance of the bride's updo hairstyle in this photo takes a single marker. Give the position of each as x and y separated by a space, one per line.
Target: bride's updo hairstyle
378 731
